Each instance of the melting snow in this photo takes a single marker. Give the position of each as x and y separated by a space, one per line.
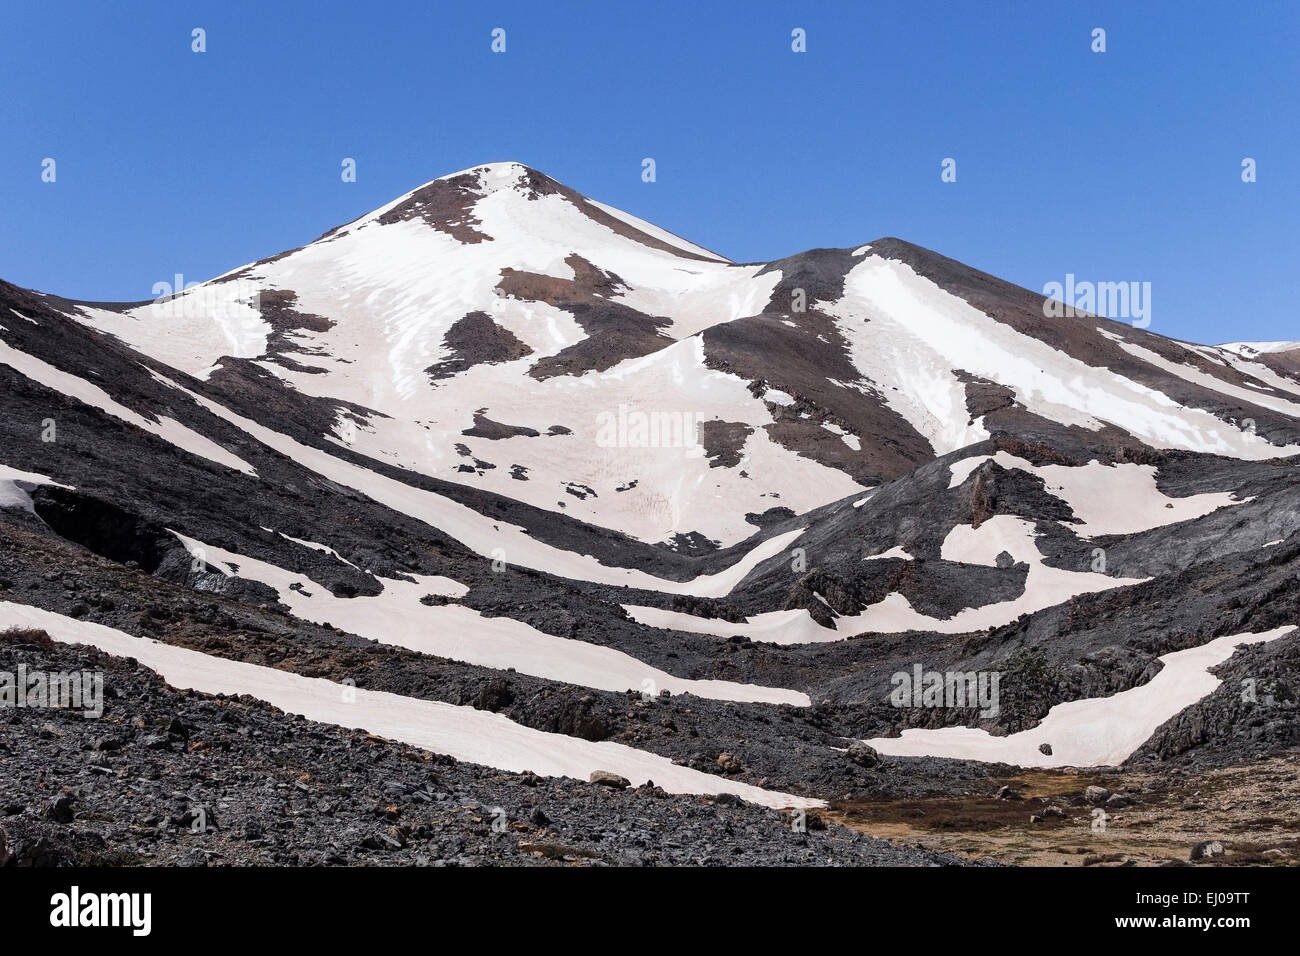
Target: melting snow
467 734
1097 731
1109 499
396 616
16 487
165 428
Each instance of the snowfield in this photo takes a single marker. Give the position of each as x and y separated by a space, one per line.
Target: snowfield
908 336
487 536
1044 587
1108 499
16 487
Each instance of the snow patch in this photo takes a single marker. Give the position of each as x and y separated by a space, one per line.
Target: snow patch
1097 731
88 393
474 736
396 616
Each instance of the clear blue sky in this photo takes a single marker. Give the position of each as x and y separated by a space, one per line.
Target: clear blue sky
1117 166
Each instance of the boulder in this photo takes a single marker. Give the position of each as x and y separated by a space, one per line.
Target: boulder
1096 795
863 754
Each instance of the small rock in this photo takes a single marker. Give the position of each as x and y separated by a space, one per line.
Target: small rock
1005 560
814 821
1118 800
1207 850
1054 812
1006 793
607 778
538 818
729 763
1045 749
1035 818
60 809
380 841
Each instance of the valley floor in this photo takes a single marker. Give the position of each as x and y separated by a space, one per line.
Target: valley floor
1252 810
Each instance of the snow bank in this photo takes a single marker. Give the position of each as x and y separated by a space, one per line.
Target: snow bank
1097 731
467 734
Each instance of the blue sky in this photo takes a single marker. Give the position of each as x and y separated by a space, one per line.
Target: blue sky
1121 166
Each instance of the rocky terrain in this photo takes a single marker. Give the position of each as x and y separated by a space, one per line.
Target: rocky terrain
183 779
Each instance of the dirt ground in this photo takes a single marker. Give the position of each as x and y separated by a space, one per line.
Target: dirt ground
1252 810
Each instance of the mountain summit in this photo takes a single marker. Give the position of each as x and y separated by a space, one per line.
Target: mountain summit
510 315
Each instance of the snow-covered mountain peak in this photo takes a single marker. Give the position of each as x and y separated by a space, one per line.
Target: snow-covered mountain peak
497 329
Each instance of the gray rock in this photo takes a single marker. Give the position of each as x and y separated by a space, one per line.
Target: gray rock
60 809
863 754
1096 795
607 778
1207 850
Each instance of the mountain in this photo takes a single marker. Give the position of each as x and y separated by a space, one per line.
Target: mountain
507 475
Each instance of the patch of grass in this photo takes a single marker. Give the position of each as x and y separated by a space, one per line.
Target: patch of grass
973 815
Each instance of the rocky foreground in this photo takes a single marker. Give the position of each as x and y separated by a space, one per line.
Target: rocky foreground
178 778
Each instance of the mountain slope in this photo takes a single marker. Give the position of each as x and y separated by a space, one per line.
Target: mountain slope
494 328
